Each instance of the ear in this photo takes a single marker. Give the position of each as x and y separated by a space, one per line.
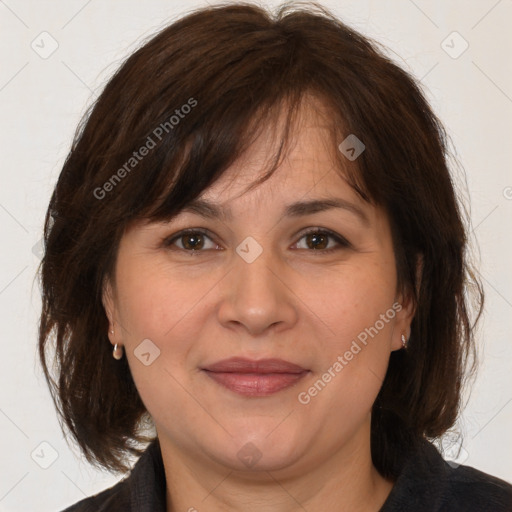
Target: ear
107 298
405 306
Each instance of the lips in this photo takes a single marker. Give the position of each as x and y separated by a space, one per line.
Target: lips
255 378
242 365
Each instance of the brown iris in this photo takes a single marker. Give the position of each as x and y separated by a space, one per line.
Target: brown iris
193 241
319 240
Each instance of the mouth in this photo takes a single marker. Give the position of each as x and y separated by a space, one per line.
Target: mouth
255 378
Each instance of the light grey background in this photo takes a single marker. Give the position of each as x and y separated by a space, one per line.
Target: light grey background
42 99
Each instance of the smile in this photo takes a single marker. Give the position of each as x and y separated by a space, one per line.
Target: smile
255 378
256 384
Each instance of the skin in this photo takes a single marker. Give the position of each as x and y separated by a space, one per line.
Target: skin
293 302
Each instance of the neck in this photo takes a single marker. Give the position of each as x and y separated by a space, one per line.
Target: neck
345 481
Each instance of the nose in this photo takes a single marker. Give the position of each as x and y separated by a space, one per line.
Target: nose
256 298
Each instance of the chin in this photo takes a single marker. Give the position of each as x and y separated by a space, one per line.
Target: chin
261 451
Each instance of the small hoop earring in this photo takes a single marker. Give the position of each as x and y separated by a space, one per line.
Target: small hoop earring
118 351
404 341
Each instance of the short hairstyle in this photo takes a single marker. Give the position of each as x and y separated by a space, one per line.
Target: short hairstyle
195 96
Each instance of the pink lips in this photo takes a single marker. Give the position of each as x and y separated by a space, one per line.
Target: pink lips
255 377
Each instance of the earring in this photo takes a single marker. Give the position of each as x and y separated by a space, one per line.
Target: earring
118 351
404 341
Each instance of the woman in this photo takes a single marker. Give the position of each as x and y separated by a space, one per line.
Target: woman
255 247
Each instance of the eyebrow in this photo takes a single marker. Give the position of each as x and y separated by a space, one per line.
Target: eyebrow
211 210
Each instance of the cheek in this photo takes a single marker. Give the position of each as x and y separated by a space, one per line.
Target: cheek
360 317
168 310
353 298
154 307
153 301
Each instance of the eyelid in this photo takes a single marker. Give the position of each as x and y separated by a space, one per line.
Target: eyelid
318 229
340 240
168 241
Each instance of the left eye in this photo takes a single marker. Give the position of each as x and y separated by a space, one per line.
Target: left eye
318 240
195 240
191 240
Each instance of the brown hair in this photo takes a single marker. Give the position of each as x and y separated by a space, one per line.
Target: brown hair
195 96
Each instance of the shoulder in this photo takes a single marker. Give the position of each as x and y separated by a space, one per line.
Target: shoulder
142 489
112 500
427 483
470 489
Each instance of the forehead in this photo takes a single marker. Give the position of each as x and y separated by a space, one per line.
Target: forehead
309 162
293 156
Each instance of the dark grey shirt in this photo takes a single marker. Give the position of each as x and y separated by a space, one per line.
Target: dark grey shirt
426 484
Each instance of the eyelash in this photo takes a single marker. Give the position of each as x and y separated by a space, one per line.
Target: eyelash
343 242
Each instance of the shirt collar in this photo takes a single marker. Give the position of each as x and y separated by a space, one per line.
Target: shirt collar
147 485
423 475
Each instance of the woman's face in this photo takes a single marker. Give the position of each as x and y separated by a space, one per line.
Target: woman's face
257 288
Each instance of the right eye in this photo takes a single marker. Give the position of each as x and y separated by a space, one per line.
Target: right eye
192 240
